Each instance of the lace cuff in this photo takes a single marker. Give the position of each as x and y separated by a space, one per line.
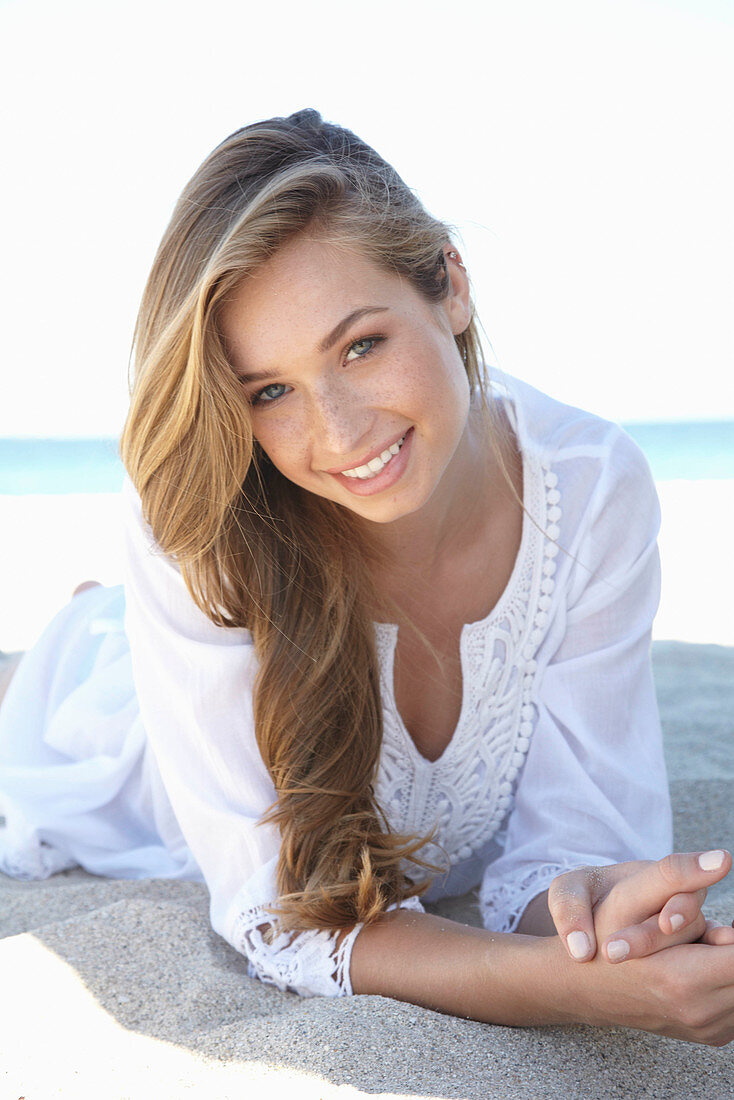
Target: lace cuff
502 902
314 963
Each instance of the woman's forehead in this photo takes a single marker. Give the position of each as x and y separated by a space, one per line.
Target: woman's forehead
300 295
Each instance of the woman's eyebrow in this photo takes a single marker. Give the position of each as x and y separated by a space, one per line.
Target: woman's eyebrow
326 344
338 331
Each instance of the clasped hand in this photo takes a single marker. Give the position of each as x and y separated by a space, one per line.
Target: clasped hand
647 906
647 917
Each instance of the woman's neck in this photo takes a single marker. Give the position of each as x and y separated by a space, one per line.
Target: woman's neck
459 524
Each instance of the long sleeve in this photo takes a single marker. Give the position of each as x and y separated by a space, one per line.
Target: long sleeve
194 682
594 787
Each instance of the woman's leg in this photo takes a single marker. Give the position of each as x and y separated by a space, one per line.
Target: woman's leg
83 587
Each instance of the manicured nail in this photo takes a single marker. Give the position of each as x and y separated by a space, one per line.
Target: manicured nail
578 944
677 921
711 861
617 950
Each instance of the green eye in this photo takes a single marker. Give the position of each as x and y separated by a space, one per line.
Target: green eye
360 348
265 396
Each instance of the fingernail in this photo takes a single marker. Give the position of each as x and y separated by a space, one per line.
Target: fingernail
578 944
617 950
677 921
711 861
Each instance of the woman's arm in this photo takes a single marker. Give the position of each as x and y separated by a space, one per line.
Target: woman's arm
456 969
686 992
593 787
194 682
537 919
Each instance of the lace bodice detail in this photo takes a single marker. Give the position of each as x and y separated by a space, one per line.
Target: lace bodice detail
469 790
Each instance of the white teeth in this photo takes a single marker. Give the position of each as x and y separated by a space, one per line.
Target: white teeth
375 465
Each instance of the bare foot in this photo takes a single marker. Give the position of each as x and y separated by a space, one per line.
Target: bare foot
83 587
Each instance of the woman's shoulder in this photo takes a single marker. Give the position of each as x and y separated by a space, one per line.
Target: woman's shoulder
154 582
559 433
589 465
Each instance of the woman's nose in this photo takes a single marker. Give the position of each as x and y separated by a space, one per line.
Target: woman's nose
340 422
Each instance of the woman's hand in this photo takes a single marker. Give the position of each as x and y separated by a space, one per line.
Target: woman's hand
650 905
686 992
522 980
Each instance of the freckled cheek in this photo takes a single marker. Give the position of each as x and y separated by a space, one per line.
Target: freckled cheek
402 388
285 447
424 388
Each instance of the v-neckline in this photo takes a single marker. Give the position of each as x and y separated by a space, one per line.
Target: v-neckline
389 631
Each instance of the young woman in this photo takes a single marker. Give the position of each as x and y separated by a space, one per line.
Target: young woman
386 630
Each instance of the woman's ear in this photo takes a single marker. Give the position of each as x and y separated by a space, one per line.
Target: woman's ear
458 301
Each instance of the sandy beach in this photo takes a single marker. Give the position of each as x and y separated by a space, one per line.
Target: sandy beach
122 990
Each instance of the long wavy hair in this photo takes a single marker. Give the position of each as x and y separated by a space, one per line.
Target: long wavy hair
255 550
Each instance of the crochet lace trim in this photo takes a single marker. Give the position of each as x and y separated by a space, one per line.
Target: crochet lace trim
503 903
469 791
312 963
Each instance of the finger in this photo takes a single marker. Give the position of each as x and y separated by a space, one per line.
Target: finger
640 940
680 910
647 891
718 935
570 900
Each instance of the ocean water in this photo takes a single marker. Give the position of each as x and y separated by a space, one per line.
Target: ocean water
687 451
59 466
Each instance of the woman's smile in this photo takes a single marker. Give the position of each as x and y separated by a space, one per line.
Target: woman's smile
378 473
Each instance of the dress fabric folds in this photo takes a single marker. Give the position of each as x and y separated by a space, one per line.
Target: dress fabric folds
127 742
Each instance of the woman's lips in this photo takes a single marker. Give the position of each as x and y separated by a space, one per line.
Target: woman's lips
369 458
388 475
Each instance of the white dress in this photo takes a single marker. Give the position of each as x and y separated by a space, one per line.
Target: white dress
127 743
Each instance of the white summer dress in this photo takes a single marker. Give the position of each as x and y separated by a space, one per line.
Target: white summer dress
127 743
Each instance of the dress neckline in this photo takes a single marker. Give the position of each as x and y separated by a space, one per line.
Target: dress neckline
387 633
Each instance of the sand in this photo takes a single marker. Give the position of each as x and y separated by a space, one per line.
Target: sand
121 990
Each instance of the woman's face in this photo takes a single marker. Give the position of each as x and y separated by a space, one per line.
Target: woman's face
357 388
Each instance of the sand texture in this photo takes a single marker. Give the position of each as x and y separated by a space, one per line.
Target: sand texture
121 990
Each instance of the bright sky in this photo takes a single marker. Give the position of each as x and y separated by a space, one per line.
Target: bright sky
584 149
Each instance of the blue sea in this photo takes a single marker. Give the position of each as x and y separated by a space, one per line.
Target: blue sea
681 450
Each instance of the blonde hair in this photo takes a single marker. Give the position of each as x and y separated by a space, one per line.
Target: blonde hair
255 550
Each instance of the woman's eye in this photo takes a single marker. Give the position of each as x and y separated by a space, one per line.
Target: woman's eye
268 393
360 348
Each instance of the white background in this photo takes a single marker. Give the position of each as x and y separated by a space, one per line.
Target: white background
584 148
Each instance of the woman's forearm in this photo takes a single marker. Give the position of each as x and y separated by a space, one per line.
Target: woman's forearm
685 991
500 978
537 920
